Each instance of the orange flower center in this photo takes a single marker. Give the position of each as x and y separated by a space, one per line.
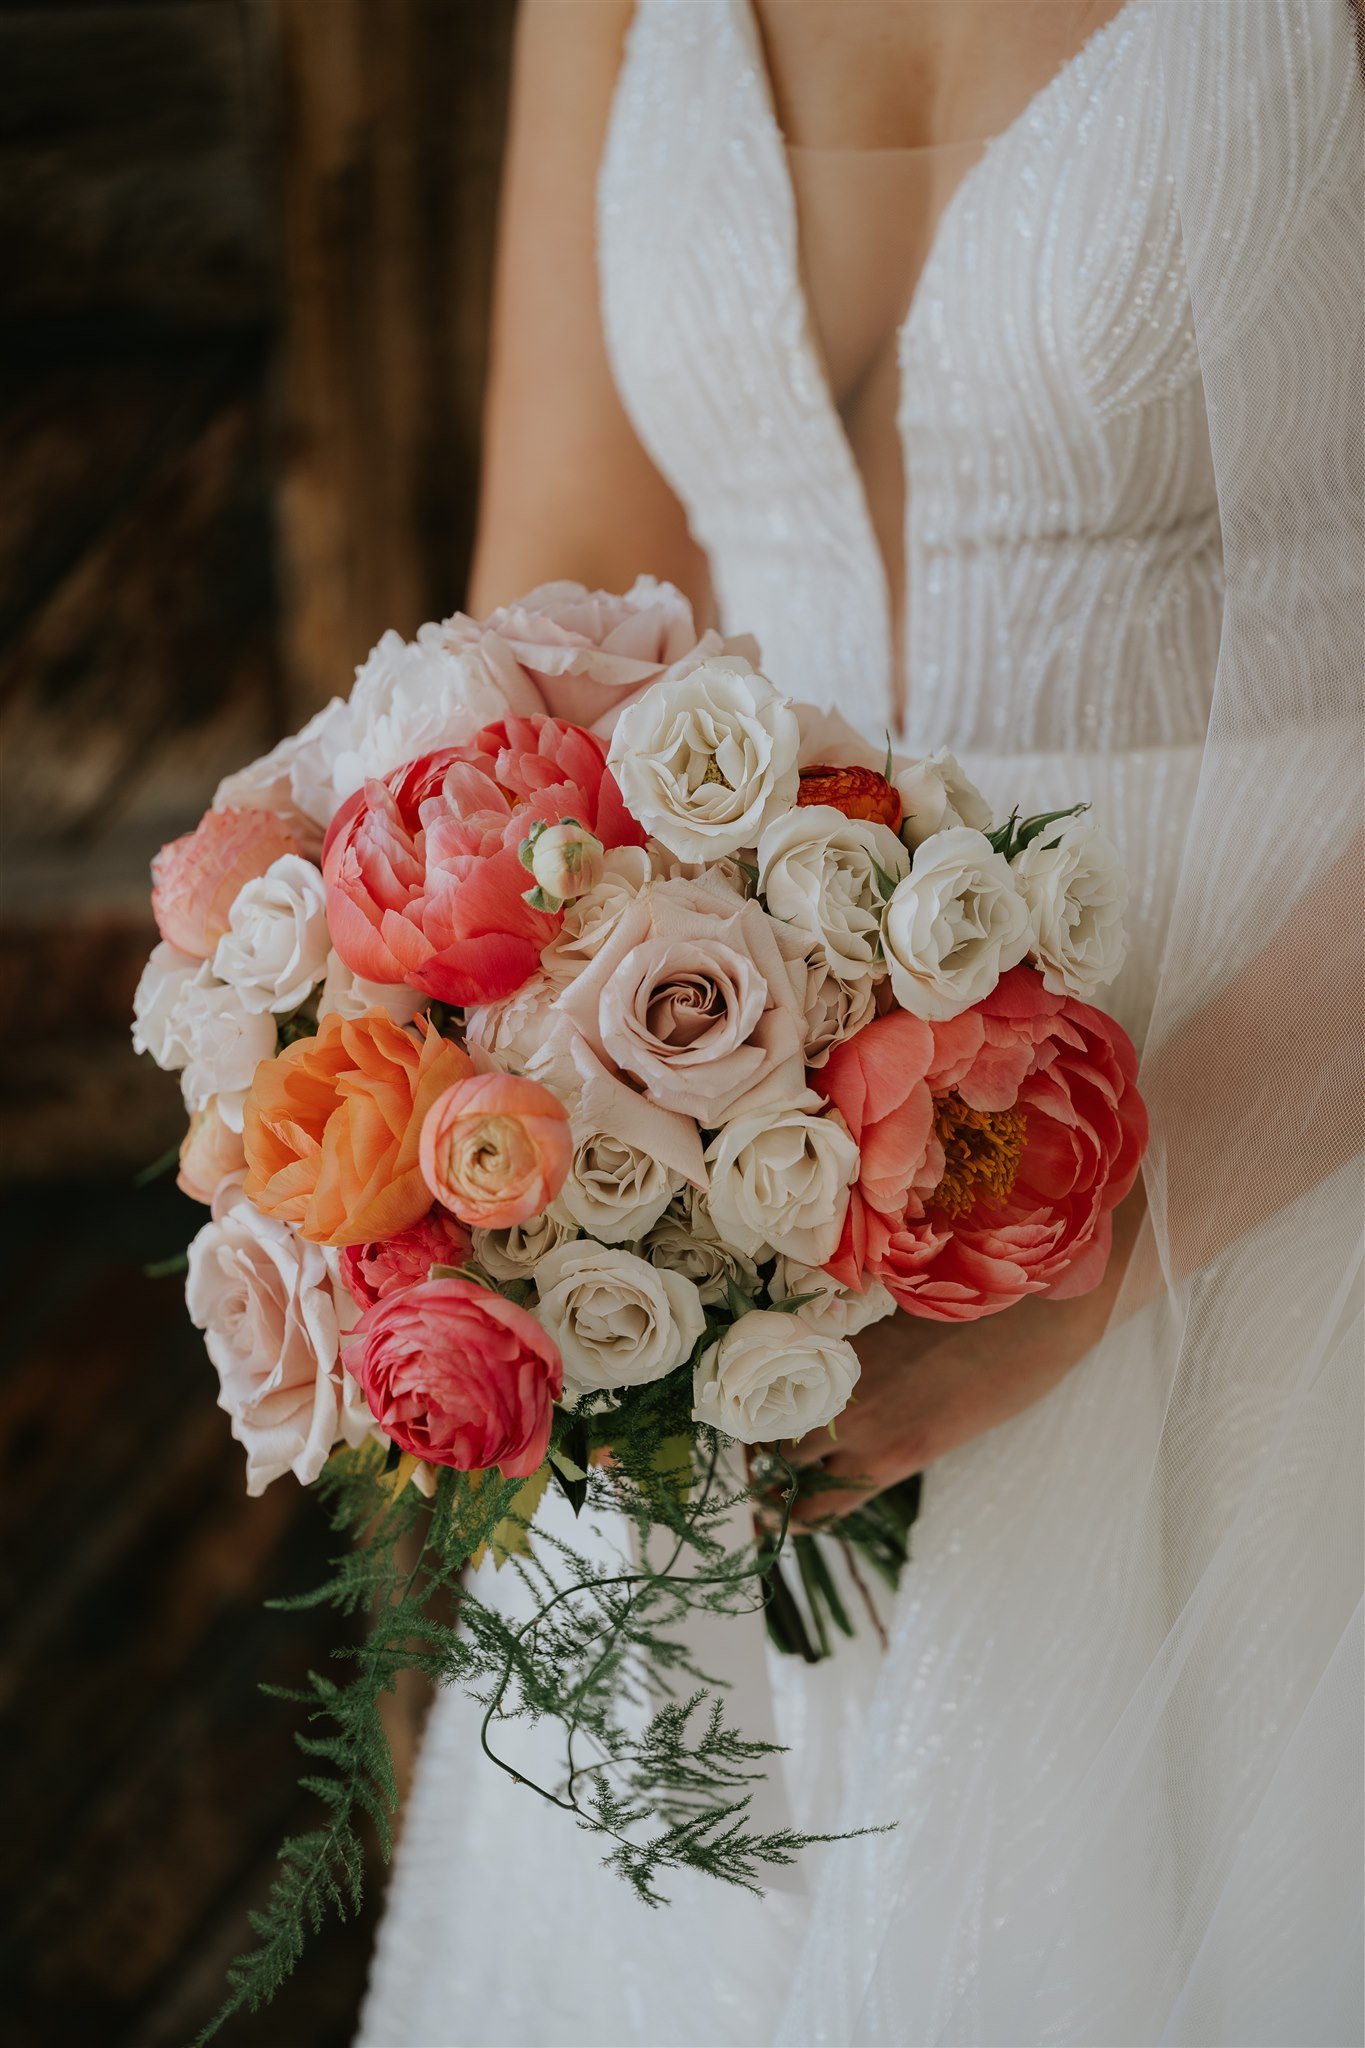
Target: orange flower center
981 1152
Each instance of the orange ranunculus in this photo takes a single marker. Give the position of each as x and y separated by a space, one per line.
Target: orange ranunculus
857 792
332 1127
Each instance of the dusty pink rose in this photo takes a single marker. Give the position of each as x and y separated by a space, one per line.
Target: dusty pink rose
876 1081
589 653
424 876
458 1376
370 1272
210 1152
195 879
496 1149
1039 1131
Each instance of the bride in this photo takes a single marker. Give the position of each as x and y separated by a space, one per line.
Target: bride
999 367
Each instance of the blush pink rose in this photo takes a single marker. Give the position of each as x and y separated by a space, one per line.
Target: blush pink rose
589 653
195 879
424 876
211 1151
458 1376
371 1272
1039 1131
496 1149
876 1081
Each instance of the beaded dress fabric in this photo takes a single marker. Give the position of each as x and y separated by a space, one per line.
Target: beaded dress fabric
1116 1720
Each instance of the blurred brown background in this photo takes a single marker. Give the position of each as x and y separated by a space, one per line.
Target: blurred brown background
245 249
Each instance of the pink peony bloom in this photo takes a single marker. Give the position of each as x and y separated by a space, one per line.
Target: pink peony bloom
876 1081
588 653
496 1149
195 879
371 1272
424 876
458 1376
1039 1131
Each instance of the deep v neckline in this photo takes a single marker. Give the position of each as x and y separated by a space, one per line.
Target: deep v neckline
814 367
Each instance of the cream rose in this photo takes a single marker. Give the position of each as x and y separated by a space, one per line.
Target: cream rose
935 795
614 1191
829 877
707 759
1076 892
693 999
954 926
685 1240
590 920
514 1253
295 778
224 1043
263 1297
513 1031
773 1376
618 1321
834 1311
274 951
351 996
780 1179
158 1004
834 1009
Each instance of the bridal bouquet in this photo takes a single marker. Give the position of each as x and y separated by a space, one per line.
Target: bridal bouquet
582 1043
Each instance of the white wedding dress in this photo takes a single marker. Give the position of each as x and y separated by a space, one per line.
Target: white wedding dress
1117 1724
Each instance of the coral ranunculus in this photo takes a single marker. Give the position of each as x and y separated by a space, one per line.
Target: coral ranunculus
458 1376
1039 1132
333 1125
195 879
496 1149
857 792
387 1265
424 876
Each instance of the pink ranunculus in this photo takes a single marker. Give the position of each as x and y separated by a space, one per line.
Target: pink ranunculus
371 1272
458 1376
876 1081
496 1149
195 879
1039 1132
424 876
589 653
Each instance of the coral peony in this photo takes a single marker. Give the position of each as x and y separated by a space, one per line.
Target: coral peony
857 792
496 1149
424 877
370 1272
195 879
1039 1131
332 1127
458 1376
877 1082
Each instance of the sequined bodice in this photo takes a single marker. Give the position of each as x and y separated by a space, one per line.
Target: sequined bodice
1063 562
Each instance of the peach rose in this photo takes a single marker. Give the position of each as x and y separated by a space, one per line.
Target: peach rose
496 1149
210 1152
456 1375
195 879
332 1127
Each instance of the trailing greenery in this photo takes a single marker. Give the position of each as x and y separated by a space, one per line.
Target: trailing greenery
649 1758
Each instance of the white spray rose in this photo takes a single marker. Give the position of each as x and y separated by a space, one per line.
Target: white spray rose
514 1252
275 948
834 1009
513 1030
835 1311
158 1005
613 1190
224 1043
773 1376
618 1321
706 760
780 1179
686 1241
823 873
263 1296
1076 892
935 795
954 926
351 996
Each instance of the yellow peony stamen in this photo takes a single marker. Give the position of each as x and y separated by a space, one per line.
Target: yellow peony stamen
981 1152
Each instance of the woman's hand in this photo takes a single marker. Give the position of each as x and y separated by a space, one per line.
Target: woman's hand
928 1387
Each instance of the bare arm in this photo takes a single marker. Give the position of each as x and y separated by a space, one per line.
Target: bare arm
567 489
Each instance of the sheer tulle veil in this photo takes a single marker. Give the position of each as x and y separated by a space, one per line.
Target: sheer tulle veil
1138 1818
